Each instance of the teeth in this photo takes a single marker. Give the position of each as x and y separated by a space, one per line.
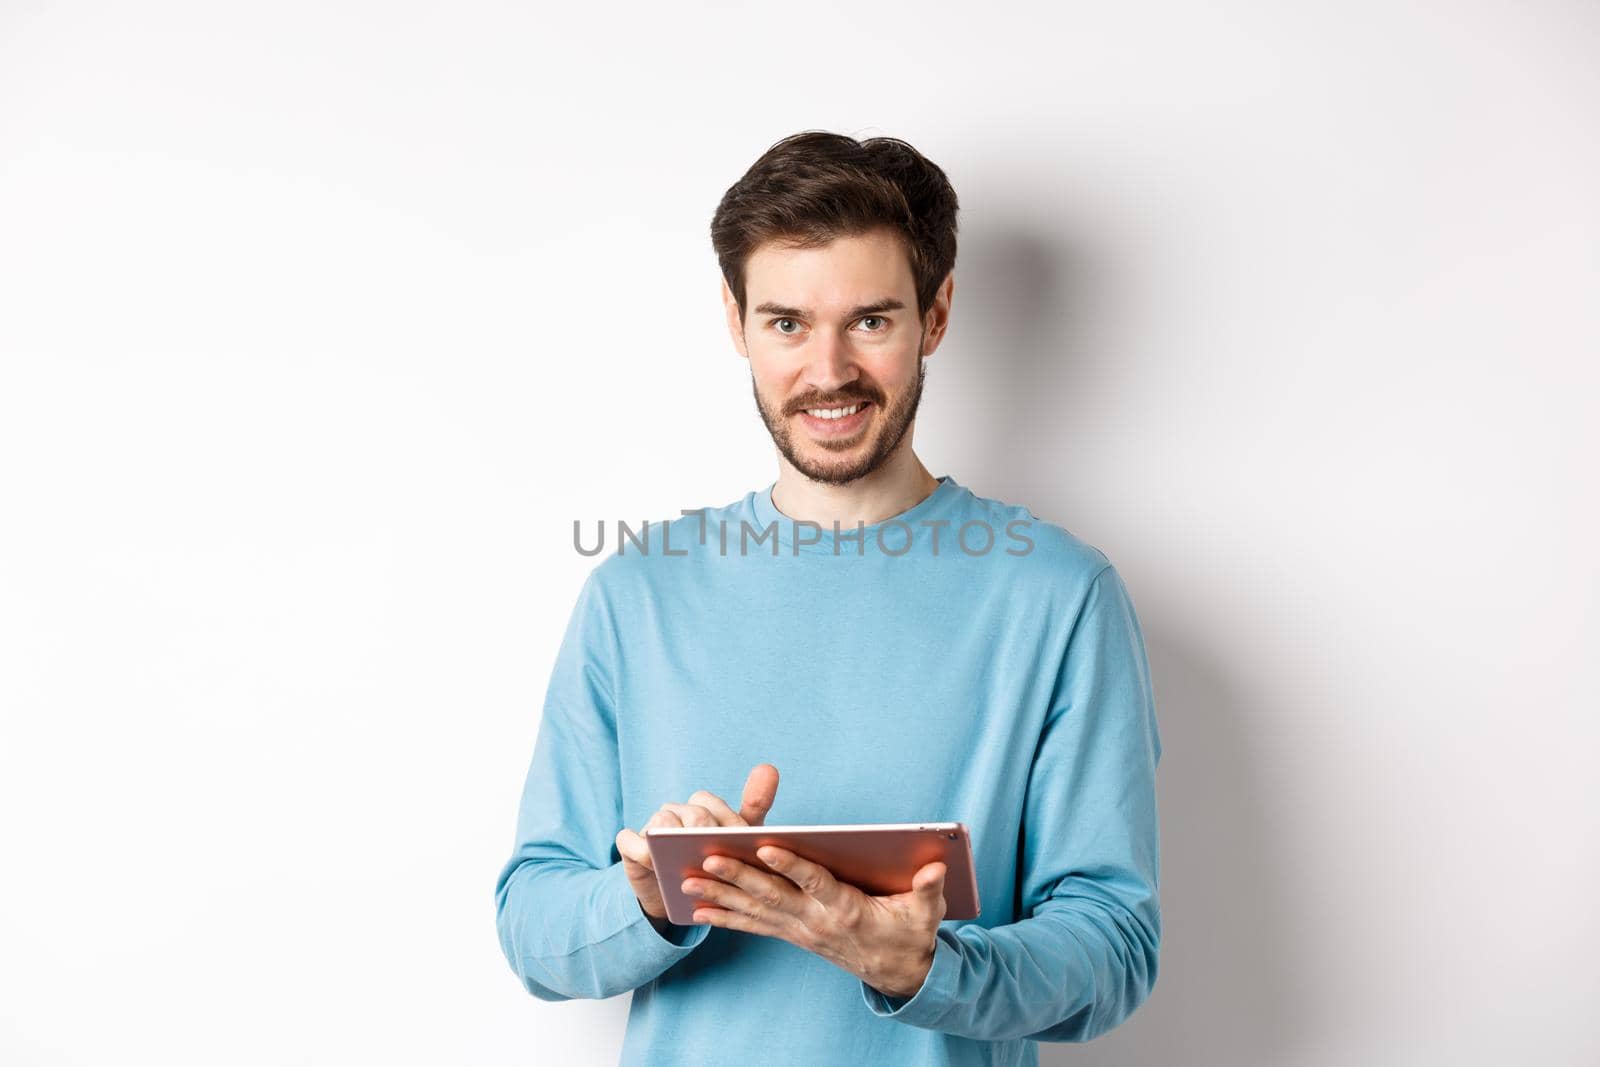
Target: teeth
833 413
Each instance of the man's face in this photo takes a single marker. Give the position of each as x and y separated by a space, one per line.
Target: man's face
834 328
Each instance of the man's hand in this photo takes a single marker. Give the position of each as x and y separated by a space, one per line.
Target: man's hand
703 809
887 941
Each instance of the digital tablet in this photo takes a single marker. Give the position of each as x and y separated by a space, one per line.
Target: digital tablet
880 859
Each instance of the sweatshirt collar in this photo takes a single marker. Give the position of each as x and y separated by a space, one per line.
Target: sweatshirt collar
901 534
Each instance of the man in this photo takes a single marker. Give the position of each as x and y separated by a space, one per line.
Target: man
873 650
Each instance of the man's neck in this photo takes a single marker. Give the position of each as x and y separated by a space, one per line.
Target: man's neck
897 486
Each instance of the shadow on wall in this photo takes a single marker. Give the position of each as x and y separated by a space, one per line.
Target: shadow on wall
1046 316
1225 992
1027 359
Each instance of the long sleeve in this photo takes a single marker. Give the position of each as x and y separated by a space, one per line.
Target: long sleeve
1086 955
568 920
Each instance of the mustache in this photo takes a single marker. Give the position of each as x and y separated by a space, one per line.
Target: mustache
837 403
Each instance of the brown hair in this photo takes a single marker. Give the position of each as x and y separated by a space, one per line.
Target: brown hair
814 186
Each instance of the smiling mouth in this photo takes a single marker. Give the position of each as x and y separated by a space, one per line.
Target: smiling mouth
839 421
836 410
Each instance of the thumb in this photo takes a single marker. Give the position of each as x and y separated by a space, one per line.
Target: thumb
928 885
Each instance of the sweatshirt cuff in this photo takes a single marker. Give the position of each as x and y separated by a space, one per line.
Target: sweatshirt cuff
930 1001
638 936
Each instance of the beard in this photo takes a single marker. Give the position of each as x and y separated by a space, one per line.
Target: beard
889 425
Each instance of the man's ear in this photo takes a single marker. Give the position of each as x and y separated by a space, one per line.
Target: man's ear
938 315
730 309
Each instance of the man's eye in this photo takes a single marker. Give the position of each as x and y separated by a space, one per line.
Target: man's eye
876 318
777 321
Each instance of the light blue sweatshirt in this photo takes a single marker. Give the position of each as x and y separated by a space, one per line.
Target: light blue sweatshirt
905 674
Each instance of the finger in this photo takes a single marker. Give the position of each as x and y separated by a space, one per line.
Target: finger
633 847
733 920
718 807
813 879
773 890
665 817
759 897
760 790
692 814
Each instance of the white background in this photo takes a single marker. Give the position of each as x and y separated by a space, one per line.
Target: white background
321 323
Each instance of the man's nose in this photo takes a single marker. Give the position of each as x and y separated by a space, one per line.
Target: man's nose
830 365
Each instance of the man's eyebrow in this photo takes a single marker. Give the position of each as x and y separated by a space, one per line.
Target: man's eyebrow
887 304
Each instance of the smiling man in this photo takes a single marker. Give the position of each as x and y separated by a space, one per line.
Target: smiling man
899 647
